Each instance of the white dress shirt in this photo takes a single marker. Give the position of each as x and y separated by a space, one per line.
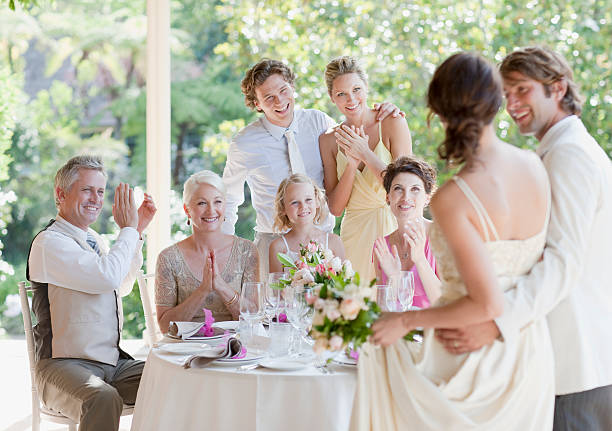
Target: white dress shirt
572 284
258 155
86 311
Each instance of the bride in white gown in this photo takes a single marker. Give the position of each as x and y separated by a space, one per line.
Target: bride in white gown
489 229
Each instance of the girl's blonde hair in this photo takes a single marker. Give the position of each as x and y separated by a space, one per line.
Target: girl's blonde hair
281 221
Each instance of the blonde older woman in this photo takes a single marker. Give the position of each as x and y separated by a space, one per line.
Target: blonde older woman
206 269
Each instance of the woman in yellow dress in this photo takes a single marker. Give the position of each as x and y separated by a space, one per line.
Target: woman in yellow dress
354 154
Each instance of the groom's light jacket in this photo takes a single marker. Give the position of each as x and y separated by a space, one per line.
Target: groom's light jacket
572 285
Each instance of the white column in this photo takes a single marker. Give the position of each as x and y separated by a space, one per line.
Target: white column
158 125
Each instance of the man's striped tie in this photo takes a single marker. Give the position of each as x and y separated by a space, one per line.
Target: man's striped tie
92 243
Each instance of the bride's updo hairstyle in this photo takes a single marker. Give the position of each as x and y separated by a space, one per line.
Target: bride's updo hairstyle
466 93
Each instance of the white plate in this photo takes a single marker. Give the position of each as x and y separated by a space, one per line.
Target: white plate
183 348
237 362
228 325
283 364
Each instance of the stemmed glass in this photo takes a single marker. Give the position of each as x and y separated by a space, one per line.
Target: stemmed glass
385 297
273 294
251 304
404 286
299 313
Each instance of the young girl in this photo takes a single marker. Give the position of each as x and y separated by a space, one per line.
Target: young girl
409 183
299 208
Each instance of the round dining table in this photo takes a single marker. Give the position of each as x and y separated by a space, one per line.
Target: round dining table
222 397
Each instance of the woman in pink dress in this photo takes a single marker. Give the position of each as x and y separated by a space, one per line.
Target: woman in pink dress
409 183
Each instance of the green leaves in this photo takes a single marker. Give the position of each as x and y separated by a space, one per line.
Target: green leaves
285 260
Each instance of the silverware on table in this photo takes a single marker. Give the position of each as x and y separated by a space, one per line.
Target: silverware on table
247 367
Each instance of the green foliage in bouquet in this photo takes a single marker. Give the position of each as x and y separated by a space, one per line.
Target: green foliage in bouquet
344 310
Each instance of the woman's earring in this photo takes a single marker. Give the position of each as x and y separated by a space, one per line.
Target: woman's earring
188 221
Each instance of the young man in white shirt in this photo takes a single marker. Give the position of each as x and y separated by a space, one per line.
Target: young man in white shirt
283 141
572 284
81 371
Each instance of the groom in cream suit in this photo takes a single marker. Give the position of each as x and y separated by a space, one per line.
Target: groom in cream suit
80 371
572 285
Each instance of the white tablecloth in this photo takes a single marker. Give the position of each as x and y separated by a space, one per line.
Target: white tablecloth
171 397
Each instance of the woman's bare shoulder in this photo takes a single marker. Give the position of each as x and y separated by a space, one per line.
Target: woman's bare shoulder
448 199
327 139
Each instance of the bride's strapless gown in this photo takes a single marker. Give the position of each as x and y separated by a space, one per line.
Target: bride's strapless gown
503 386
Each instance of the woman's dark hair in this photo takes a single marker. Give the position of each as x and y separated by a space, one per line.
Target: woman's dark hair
412 165
466 93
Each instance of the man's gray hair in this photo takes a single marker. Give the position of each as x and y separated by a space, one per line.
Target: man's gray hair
67 174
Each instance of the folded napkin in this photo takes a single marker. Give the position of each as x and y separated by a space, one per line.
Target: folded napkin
191 331
184 330
232 347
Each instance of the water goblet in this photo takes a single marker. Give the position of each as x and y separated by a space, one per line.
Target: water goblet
299 312
251 304
273 294
385 297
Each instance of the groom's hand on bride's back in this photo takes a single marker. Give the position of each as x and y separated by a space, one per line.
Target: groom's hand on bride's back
469 338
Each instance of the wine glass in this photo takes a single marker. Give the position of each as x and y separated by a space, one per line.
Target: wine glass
405 290
251 304
299 312
273 294
385 297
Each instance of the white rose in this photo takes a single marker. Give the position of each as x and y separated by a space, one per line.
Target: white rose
308 278
348 268
335 342
319 304
318 318
331 309
297 280
367 292
350 290
302 277
336 264
328 254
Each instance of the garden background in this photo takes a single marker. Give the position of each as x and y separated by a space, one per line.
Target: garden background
72 80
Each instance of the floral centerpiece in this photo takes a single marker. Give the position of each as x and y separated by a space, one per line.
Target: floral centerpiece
343 309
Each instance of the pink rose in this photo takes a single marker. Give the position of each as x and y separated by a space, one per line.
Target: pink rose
349 308
320 345
335 342
319 304
320 268
312 247
301 264
310 298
